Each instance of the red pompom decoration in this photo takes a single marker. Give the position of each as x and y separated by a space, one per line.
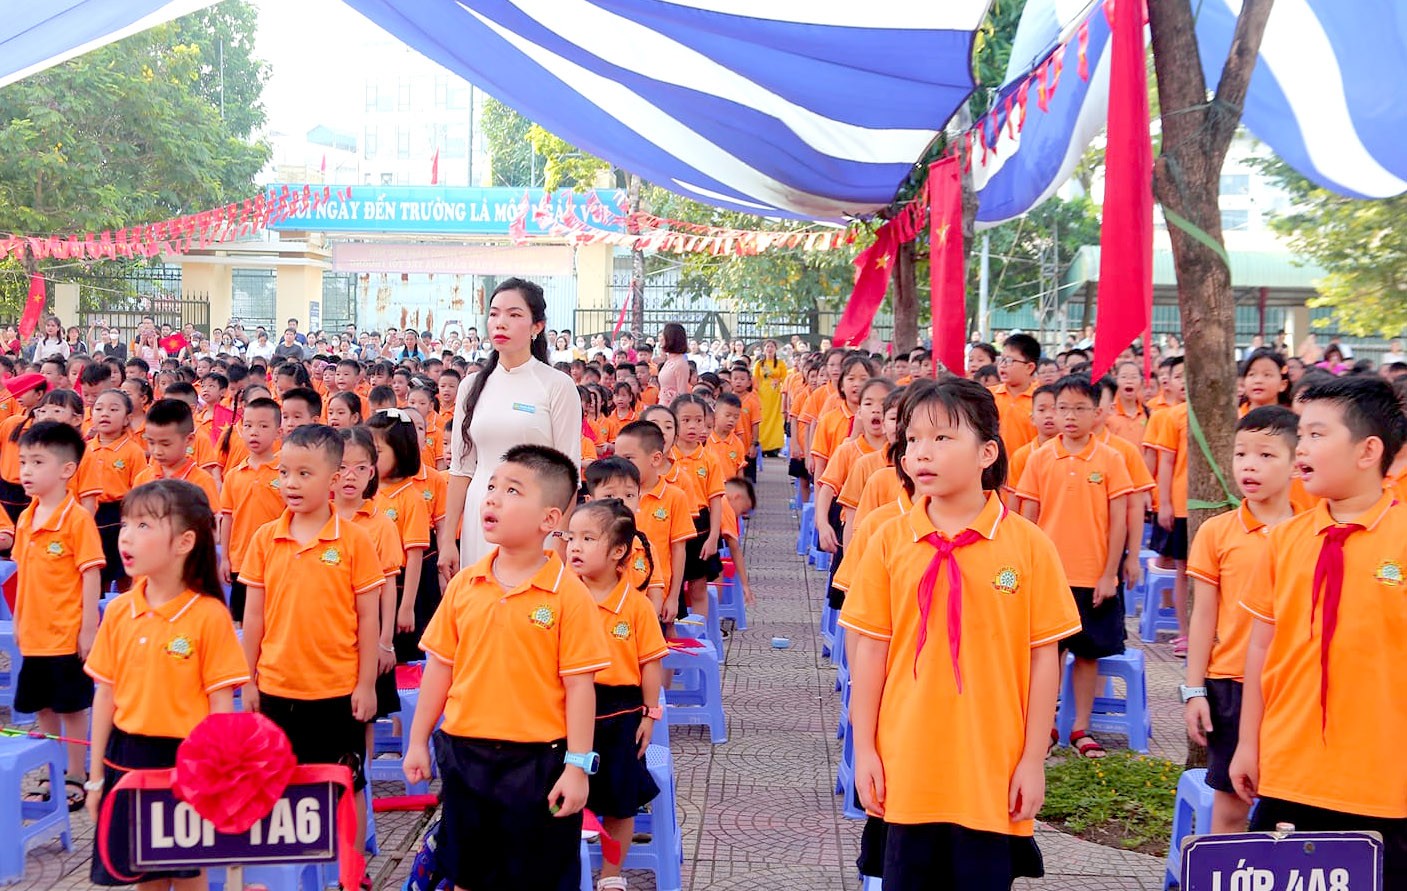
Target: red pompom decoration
232 768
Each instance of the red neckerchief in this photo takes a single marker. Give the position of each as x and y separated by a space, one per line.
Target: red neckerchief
1328 576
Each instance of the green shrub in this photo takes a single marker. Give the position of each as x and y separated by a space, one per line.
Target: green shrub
1124 800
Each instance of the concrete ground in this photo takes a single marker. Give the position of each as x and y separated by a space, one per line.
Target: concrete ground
758 811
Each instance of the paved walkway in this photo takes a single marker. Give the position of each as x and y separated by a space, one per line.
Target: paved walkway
757 812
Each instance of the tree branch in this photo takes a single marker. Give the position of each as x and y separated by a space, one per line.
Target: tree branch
1236 72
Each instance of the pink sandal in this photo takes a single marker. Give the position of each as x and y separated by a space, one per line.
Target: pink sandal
1179 647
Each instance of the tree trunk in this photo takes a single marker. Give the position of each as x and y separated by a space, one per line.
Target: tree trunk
1196 134
637 263
905 301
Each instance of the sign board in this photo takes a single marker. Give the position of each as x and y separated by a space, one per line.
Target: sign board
1294 861
459 210
168 834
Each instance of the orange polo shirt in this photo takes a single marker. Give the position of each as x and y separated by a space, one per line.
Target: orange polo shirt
882 488
1128 426
865 530
189 472
1301 500
371 517
1017 428
1016 464
843 460
1133 460
250 498
1014 599
832 429
1167 432
52 558
644 574
797 395
405 506
203 451
87 481
665 518
1074 490
1356 765
118 463
650 396
751 414
615 423
633 636
704 476
309 650
433 488
865 466
731 453
508 650
163 662
10 449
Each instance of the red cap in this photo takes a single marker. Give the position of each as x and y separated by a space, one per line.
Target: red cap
23 383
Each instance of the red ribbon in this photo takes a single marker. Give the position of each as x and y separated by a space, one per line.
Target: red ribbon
944 548
1328 575
610 848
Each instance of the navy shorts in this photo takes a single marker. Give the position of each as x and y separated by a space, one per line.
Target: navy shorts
1101 627
946 857
56 683
1170 543
496 831
130 751
321 731
695 566
1224 699
623 784
1307 818
109 520
238 593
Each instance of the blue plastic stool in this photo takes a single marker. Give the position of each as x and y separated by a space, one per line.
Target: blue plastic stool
659 736
870 883
9 678
7 570
830 620
25 824
807 533
1128 716
1192 815
275 877
730 597
1157 617
388 742
845 780
842 669
664 852
697 694
820 560
795 502
709 628
1133 596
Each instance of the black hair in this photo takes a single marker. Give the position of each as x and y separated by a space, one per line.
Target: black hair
1026 345
306 395
381 395
180 389
264 402
120 394
684 399
453 372
361 437
172 412
55 359
401 439
966 402
1045 361
351 400
1171 362
1079 385
94 374
1275 420
674 339
236 372
986 371
144 388
1262 353
747 487
189 510
554 471
55 436
1084 355
420 385
537 308
649 433
139 363
1369 406
731 400
623 385
850 362
66 398
598 473
318 437
877 381
297 371
618 524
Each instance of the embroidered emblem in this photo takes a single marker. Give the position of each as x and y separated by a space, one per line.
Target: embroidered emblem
56 549
1389 573
1007 580
621 631
180 647
274 484
543 617
331 557
119 464
190 450
640 564
1096 477
661 514
702 472
732 454
427 494
392 513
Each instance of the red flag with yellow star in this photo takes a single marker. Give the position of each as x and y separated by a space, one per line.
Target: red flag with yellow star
947 264
873 268
33 307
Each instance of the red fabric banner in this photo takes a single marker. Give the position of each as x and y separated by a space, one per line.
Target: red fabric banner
33 306
872 270
435 169
1126 232
947 264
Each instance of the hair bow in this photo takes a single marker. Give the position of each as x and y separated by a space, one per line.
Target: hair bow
398 414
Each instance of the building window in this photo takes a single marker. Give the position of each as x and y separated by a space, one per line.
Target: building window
254 297
459 95
388 179
403 103
371 97
1235 184
402 144
370 143
1235 220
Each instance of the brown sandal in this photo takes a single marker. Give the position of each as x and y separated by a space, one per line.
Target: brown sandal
1086 745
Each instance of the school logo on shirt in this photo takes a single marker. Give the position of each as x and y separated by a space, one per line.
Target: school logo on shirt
179 647
543 617
1007 580
190 450
732 454
621 630
331 557
391 512
661 514
56 549
119 464
1096 477
427 494
1389 573
274 484
639 564
701 472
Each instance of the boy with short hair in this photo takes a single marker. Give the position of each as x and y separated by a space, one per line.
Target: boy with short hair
513 652
1166 437
618 478
1017 368
312 615
749 425
250 497
60 557
1076 489
739 499
1322 721
301 406
1225 557
664 514
1043 416
725 443
170 439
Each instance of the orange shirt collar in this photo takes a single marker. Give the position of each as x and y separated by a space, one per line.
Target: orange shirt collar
1249 521
984 524
56 519
1370 518
330 531
615 601
548 578
182 473
115 444
1084 454
170 611
410 481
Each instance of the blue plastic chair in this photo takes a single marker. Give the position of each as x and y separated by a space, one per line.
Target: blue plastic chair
664 852
730 598
1128 716
807 533
708 627
830 620
845 779
9 678
696 697
1192 815
1156 617
25 824
275 877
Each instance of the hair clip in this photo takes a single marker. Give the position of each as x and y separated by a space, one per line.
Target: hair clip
398 414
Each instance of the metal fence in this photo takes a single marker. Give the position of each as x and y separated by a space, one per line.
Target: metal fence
699 323
176 310
255 298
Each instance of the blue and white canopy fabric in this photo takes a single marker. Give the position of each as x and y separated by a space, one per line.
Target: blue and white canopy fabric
1323 96
788 108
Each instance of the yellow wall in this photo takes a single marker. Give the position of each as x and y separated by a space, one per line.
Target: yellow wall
211 279
297 285
593 276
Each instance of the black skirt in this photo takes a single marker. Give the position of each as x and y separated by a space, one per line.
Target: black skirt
109 519
623 784
13 499
126 752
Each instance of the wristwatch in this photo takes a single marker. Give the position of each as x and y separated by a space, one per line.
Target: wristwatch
654 712
93 786
589 762
1189 693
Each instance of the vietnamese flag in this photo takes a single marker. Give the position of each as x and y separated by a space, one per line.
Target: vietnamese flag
1125 304
873 268
33 306
947 264
221 416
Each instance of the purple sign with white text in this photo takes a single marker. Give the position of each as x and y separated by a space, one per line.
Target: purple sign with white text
1293 861
169 834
